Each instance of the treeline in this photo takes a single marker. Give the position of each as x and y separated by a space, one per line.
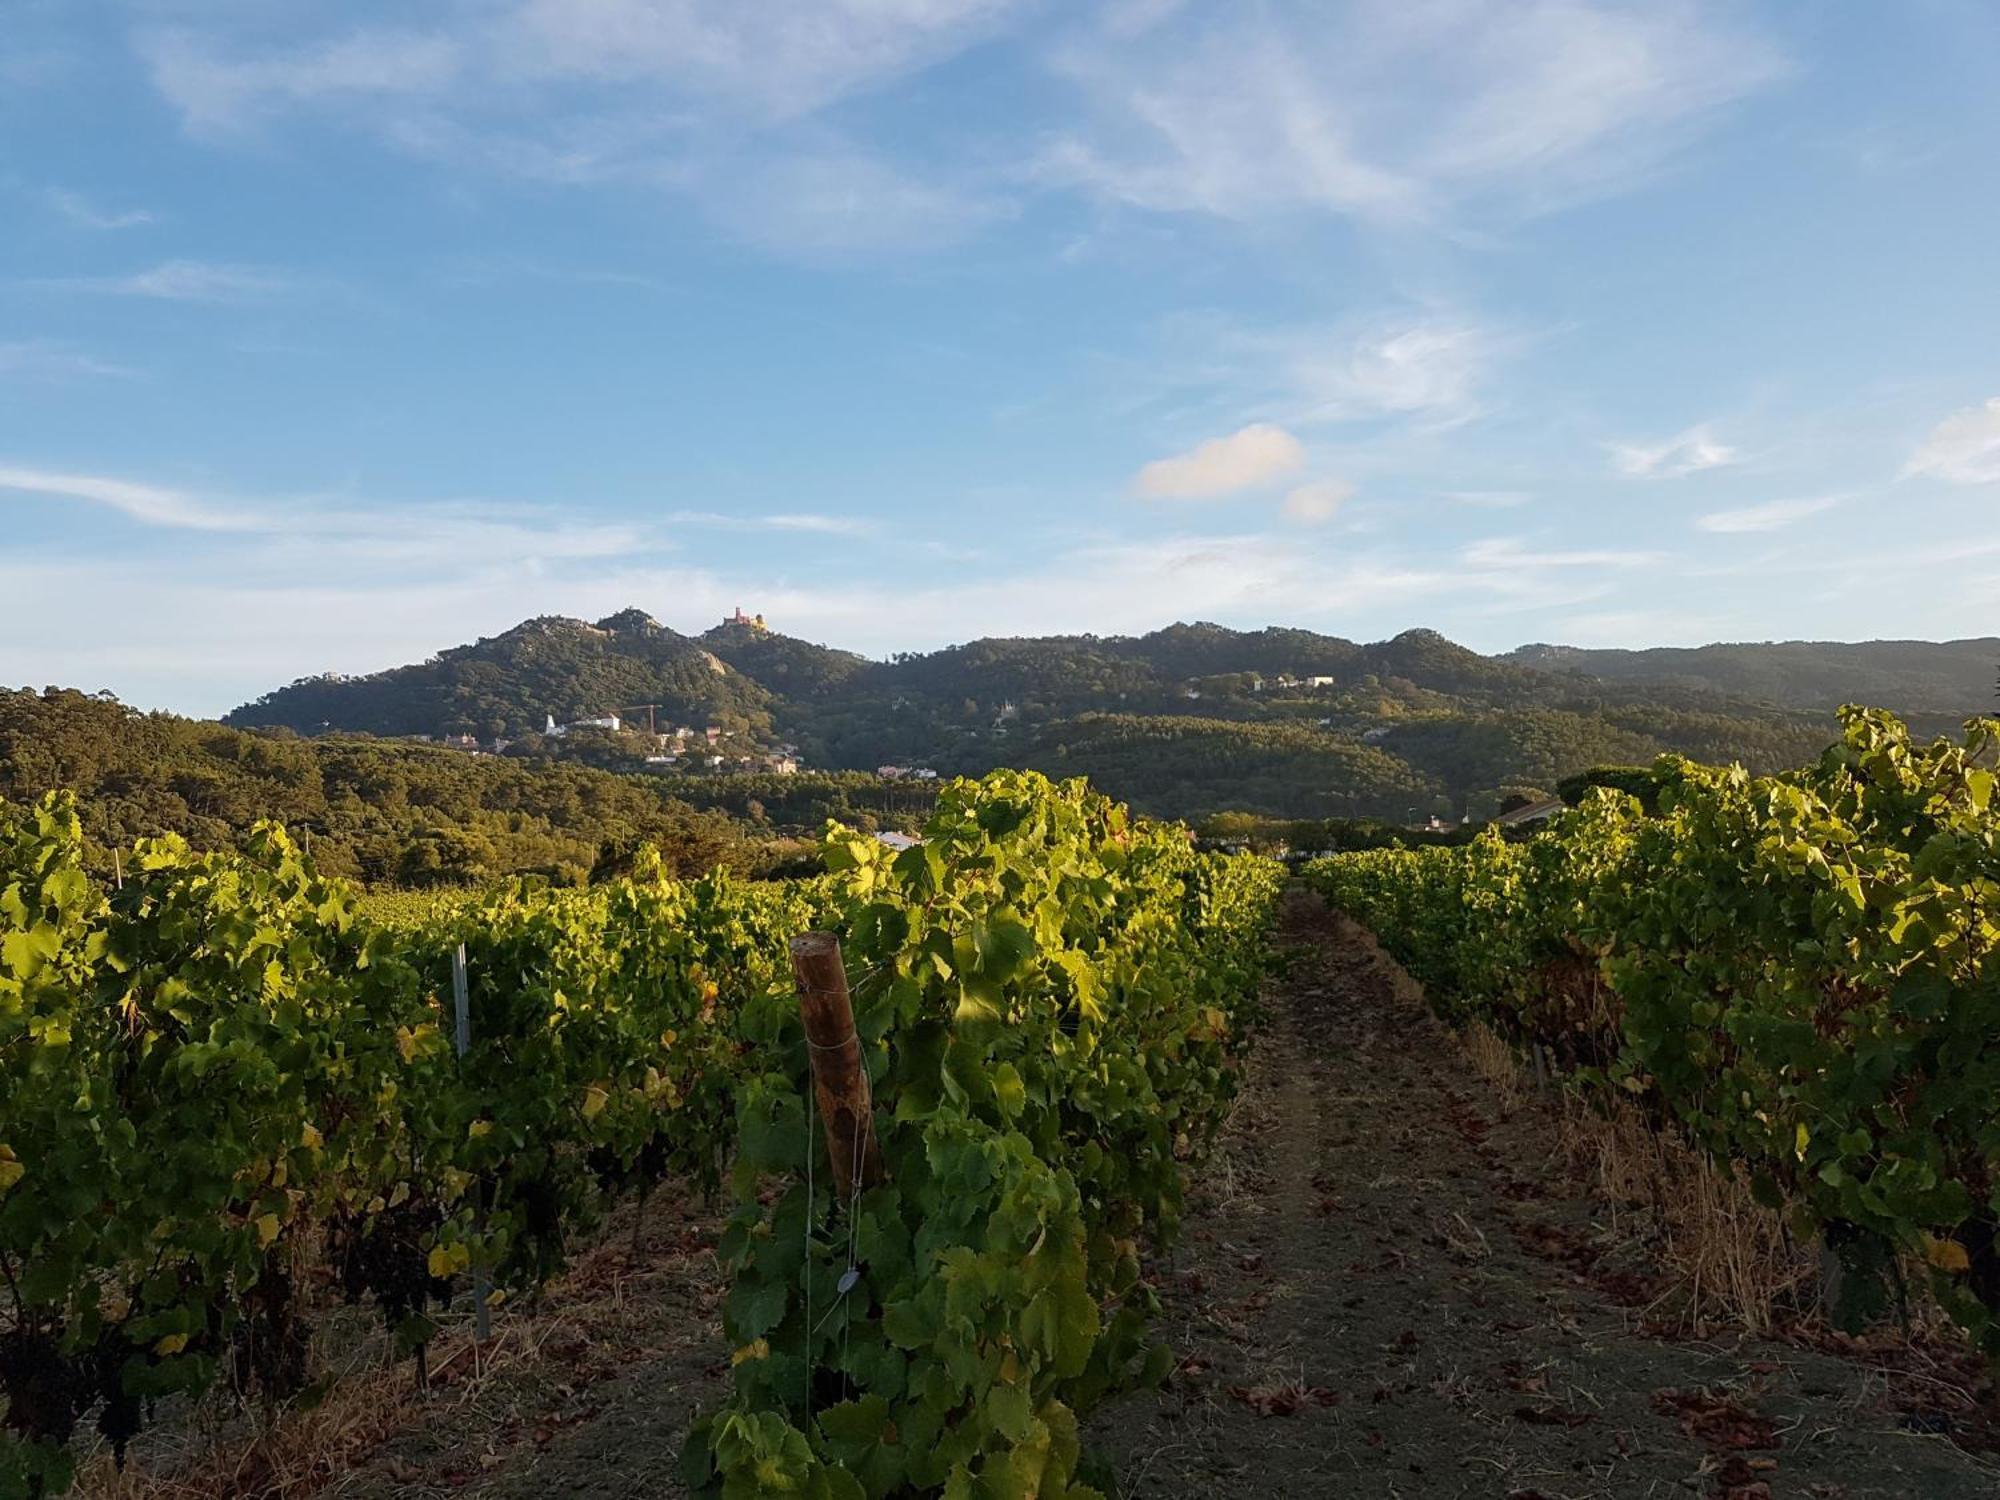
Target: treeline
801 803
386 812
1177 766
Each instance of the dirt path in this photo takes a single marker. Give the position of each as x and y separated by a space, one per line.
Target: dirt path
1379 1295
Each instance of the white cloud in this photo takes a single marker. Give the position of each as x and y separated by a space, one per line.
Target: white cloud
152 504
188 281
216 92
323 528
1490 499
1249 458
1638 629
778 58
1429 368
824 525
1395 111
43 359
1772 515
1512 552
683 62
80 211
1391 110
1423 368
1685 453
808 521
1317 503
840 202
704 98
1964 448
1235 123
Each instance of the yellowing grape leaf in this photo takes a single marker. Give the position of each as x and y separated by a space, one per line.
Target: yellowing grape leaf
1948 1255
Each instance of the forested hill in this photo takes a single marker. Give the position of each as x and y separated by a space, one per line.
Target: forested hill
394 812
1949 679
512 683
1183 721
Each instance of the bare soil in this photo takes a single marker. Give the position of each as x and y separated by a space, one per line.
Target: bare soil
1387 1290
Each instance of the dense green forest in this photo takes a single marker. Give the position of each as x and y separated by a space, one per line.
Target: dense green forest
385 811
1935 679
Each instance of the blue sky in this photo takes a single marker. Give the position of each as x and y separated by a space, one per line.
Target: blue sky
331 334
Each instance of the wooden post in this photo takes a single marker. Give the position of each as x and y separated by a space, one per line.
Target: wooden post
461 1004
840 1082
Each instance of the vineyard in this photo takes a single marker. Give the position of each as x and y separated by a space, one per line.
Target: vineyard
239 1094
1795 973
231 1085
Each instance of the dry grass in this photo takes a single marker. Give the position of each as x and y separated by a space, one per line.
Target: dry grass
295 1452
1734 1261
1499 1064
584 1327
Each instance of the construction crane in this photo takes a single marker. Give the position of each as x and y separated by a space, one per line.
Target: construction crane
635 707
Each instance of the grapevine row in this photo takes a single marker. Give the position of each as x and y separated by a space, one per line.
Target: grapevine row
1797 971
223 1078
1052 1003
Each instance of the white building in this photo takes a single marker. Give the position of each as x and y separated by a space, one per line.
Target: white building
607 721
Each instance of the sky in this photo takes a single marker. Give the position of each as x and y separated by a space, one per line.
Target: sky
333 334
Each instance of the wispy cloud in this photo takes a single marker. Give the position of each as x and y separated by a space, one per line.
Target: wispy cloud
808 521
1250 458
778 59
1241 113
189 281
1964 448
153 504
80 211
836 202
705 98
1772 515
1490 499
44 359
215 91
1317 503
300 530
1513 552
1423 367
1395 112
1427 367
824 525
1685 453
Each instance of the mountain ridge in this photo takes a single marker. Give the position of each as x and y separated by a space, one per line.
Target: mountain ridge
1186 719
